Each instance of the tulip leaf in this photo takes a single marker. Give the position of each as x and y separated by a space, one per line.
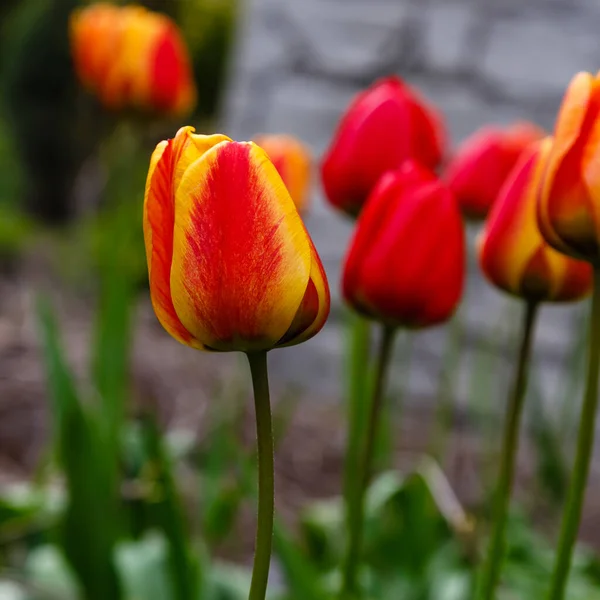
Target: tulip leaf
184 567
301 575
87 542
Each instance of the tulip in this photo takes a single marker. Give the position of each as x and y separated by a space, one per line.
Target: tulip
293 161
232 267
231 264
405 268
569 202
480 166
384 125
516 258
513 254
568 212
406 263
131 57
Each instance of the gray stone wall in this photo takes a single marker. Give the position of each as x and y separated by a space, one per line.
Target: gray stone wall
299 62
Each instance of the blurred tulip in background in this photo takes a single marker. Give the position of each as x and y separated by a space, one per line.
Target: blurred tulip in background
131 57
513 254
482 163
293 161
383 126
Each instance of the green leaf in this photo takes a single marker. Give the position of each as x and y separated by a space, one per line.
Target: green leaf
47 569
90 526
184 566
322 532
111 353
228 582
301 575
144 568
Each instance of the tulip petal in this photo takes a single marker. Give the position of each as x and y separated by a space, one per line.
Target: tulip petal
566 214
171 87
511 236
241 257
314 308
188 147
513 254
158 237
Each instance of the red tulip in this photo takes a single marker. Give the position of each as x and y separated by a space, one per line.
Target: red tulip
406 263
385 125
480 166
514 255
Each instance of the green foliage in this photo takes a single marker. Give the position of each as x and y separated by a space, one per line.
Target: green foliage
39 84
84 452
209 27
183 567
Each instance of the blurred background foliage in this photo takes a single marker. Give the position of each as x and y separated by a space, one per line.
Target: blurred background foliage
51 131
153 513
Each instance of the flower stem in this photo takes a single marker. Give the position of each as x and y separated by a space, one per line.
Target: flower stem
352 560
510 445
585 443
266 478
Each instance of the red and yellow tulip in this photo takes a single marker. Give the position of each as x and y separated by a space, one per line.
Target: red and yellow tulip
406 263
131 57
230 263
513 254
569 200
483 161
385 125
293 161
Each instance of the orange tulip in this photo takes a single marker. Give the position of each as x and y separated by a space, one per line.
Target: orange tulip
293 161
132 57
569 200
513 254
482 163
230 263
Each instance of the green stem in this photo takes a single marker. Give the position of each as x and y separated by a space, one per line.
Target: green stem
358 389
510 445
352 561
585 443
266 477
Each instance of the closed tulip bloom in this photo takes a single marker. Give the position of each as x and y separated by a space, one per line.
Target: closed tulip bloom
513 254
231 265
569 200
293 161
406 263
131 57
480 166
385 125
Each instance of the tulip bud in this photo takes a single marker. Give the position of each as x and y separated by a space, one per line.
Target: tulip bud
406 263
293 161
512 252
230 263
385 125
480 166
132 57
569 196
